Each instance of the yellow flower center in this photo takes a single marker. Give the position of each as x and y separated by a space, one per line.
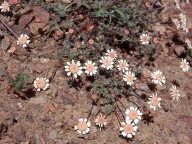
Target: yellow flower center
154 101
106 62
129 78
145 38
159 77
82 126
41 83
111 54
90 67
122 65
74 68
101 120
183 64
22 40
133 114
128 128
174 92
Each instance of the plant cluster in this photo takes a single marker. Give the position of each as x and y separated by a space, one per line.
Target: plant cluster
19 82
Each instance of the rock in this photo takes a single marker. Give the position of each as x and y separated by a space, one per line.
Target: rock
159 28
44 60
37 139
144 87
2 72
37 68
19 133
53 134
50 108
59 125
24 143
179 50
19 105
5 43
66 1
38 100
63 142
67 98
182 138
10 120
183 94
55 90
30 117
95 110
18 30
25 10
146 73
159 87
187 119
12 2
25 20
68 114
40 16
3 129
167 51
49 0
47 27
36 27
48 91
76 114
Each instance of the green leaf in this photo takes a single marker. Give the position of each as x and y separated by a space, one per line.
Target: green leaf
122 14
20 83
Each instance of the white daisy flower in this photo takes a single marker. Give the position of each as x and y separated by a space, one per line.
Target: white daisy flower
129 77
5 7
177 23
128 129
158 78
144 38
41 83
122 65
112 54
23 40
107 63
188 43
133 114
74 69
175 93
154 102
184 65
83 126
101 121
90 68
